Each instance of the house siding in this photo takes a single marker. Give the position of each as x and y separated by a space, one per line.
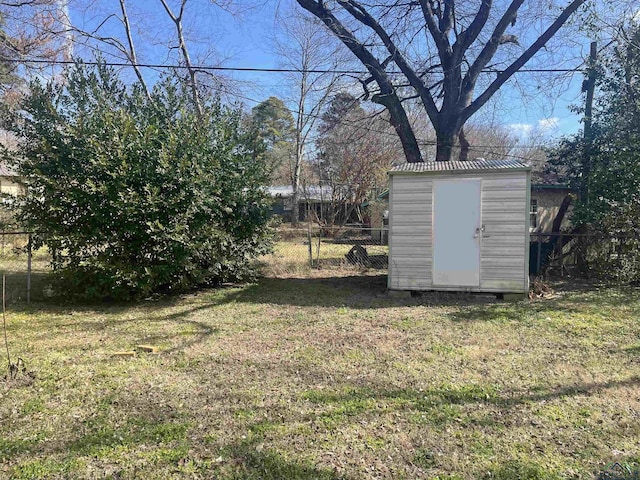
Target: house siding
10 186
504 213
549 201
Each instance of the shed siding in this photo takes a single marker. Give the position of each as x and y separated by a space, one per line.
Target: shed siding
410 256
505 215
505 218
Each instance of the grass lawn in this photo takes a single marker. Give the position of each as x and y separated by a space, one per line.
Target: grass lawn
325 378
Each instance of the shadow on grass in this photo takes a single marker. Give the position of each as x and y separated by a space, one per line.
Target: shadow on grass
355 291
633 350
248 461
433 398
598 301
124 426
199 331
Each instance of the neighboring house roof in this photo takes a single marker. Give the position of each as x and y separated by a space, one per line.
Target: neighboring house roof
6 171
543 180
470 165
311 192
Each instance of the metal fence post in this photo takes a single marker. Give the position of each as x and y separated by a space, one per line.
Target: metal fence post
561 253
539 259
29 269
310 245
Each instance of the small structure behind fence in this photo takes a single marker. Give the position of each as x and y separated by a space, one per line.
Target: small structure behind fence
352 248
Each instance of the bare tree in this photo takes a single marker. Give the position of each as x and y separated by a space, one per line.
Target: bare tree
28 32
305 46
182 45
131 52
355 151
441 48
115 31
91 34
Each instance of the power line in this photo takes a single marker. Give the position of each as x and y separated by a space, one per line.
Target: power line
423 143
261 69
429 143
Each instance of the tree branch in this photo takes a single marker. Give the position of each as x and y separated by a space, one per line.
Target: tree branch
360 14
490 48
468 36
182 44
522 60
132 49
387 95
440 39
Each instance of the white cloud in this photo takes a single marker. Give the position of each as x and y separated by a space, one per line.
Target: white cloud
547 124
541 127
521 129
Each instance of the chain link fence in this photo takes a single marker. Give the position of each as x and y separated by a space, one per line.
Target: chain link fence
298 251
351 250
606 256
24 269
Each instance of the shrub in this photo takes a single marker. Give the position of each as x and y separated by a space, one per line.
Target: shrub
136 195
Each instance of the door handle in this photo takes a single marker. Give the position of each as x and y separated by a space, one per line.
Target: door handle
480 230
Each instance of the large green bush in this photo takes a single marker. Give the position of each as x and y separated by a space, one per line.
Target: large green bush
136 195
609 182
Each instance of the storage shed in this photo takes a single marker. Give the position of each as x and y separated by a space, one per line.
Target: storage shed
460 226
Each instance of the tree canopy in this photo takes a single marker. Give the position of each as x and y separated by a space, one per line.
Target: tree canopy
274 128
452 56
354 153
606 170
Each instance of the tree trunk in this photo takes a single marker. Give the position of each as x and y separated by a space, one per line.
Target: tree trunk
295 185
446 140
561 241
295 208
295 177
464 146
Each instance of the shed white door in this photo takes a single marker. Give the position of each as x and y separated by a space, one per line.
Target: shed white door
456 232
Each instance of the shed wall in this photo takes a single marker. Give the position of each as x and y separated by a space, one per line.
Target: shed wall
505 215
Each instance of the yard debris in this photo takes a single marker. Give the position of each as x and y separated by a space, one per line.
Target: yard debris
148 348
357 255
124 354
539 289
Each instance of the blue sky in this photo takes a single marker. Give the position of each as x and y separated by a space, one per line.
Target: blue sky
548 115
242 40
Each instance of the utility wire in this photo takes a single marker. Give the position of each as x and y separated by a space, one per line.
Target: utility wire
478 148
421 142
260 70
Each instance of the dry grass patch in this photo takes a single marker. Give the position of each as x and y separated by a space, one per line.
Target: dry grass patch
325 378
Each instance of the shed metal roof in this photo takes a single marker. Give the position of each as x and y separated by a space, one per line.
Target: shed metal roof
455 166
